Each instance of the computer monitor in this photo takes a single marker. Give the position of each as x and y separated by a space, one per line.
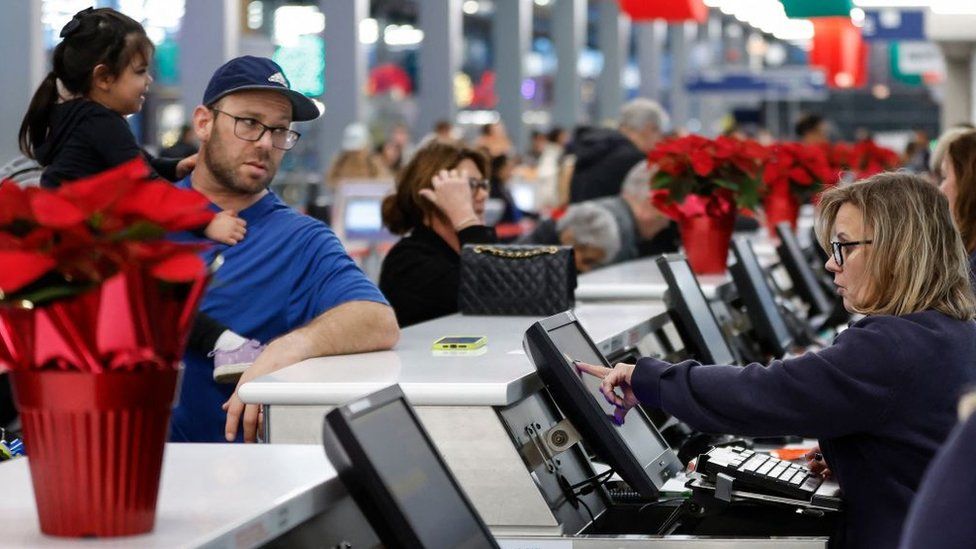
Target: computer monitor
691 314
357 211
635 449
767 320
804 279
391 468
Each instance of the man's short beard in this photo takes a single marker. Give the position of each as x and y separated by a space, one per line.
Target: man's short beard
223 169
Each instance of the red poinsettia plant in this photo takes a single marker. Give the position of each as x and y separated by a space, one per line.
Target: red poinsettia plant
869 158
798 170
57 243
699 176
89 263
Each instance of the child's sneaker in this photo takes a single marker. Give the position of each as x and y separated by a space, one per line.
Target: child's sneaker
229 365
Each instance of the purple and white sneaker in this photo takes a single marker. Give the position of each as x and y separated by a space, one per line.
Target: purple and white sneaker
229 365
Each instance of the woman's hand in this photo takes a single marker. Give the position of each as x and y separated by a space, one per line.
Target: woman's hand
451 194
816 463
618 376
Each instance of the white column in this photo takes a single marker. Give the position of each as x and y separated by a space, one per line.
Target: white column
209 37
24 68
679 68
650 42
957 104
440 61
345 72
569 36
511 33
613 35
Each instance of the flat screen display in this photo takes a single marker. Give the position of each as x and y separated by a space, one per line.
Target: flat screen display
694 313
421 487
766 318
363 215
645 443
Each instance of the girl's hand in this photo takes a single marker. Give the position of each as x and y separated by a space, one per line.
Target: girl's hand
185 166
226 228
452 195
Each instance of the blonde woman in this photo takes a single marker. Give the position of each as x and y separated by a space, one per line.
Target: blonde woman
881 399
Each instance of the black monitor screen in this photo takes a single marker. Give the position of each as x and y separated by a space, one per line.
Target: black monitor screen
644 442
413 475
754 290
700 331
635 450
805 283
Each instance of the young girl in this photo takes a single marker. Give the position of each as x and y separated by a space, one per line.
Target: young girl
74 127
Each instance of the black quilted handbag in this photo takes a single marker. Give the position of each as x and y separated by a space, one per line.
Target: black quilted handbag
516 280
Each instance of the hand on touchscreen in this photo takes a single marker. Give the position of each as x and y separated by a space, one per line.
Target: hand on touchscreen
612 378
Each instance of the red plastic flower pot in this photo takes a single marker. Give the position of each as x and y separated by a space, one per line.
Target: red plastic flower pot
95 447
706 242
781 207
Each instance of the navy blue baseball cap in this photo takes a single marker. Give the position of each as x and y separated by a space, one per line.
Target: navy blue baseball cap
257 73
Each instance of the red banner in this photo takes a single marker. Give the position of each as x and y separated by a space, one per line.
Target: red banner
670 10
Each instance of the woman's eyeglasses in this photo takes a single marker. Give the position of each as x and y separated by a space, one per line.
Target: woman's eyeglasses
476 184
838 249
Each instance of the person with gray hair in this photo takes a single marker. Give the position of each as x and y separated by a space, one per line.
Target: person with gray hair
605 156
611 229
593 232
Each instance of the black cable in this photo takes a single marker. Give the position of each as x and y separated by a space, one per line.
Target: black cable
659 502
600 478
587 507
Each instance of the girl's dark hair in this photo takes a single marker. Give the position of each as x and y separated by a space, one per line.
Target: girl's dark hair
93 37
406 208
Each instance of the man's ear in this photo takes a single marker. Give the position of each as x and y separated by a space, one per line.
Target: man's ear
203 120
102 77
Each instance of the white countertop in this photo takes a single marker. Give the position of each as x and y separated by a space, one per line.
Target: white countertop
641 279
496 375
637 279
218 495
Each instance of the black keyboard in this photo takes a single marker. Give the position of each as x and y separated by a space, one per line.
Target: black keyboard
754 471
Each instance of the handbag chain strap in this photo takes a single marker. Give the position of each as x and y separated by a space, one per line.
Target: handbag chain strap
515 254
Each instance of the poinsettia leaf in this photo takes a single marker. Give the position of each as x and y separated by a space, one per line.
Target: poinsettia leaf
20 268
182 267
55 211
725 184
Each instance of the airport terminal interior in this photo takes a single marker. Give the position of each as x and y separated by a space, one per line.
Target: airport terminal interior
588 274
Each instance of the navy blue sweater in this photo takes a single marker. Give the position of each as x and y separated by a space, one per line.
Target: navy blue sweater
881 400
944 511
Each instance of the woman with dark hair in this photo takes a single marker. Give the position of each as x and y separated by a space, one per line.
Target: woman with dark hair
439 206
959 185
881 398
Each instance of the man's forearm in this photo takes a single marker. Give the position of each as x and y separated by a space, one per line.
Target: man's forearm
353 327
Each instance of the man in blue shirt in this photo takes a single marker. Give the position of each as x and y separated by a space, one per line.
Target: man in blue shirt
289 281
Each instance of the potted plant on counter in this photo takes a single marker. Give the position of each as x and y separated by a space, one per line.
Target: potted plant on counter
701 183
95 308
793 175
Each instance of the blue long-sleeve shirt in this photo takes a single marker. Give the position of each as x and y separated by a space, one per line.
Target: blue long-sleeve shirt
944 511
881 399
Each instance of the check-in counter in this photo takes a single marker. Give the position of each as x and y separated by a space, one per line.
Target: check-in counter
481 407
217 495
487 413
